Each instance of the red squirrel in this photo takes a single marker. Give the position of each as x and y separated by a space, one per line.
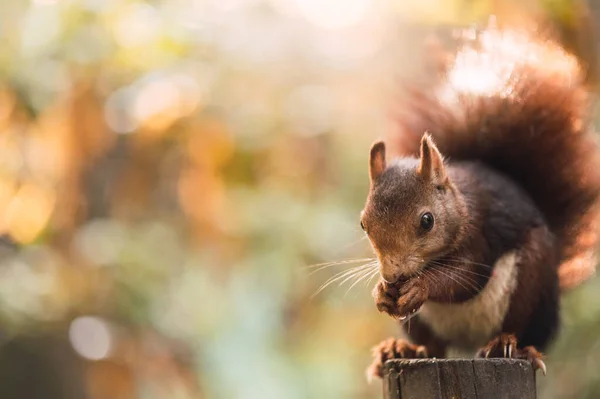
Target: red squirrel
491 209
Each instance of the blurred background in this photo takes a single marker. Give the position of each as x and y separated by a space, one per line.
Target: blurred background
168 171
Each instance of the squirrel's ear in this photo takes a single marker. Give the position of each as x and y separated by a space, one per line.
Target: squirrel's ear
377 160
432 163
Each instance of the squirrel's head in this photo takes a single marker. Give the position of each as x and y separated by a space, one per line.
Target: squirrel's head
413 212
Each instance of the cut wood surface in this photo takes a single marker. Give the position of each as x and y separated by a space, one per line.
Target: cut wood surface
459 378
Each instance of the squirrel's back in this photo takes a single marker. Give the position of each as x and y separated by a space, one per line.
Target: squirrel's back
516 102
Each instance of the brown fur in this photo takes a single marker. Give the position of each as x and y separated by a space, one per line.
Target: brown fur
532 315
539 136
392 217
377 160
520 184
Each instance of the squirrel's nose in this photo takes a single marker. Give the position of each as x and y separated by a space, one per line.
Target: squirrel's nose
390 277
389 270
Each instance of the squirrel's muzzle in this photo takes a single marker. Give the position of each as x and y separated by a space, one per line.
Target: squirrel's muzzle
393 270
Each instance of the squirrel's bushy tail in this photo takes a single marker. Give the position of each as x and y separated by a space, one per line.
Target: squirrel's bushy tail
516 103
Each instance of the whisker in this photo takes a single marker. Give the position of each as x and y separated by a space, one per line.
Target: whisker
358 272
449 275
322 266
428 274
458 272
469 281
363 276
465 260
431 273
339 262
344 274
375 272
370 276
458 268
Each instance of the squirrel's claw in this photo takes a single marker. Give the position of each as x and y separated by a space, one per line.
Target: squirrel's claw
534 357
539 364
392 348
505 345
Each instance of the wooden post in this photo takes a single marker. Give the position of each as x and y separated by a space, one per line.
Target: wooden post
459 379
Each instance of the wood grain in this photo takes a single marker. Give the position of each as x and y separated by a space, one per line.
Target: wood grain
459 379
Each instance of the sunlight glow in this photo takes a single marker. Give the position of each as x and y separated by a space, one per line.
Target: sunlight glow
138 25
333 14
490 67
157 105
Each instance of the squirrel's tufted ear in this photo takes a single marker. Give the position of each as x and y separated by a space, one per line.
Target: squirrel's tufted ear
377 160
432 163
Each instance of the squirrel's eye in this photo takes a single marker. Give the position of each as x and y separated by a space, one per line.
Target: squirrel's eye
362 225
427 221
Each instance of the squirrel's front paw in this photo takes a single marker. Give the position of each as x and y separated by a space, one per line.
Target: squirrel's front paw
413 293
386 298
400 299
392 348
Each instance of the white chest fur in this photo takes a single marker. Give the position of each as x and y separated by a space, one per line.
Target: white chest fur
471 324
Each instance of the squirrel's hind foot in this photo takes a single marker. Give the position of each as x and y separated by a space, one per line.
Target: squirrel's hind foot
392 348
505 346
532 355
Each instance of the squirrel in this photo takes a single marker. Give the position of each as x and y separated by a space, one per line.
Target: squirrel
490 210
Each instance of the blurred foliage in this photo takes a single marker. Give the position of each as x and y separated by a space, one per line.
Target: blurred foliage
168 169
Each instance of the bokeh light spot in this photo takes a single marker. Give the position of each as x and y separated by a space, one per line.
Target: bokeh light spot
91 337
